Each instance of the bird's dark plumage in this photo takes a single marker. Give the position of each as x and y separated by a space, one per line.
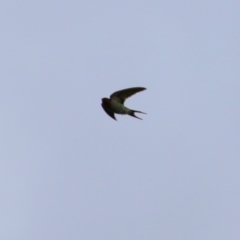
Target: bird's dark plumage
116 102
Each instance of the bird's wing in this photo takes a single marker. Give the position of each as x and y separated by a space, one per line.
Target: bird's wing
122 95
108 112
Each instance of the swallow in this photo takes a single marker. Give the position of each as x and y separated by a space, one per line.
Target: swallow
116 102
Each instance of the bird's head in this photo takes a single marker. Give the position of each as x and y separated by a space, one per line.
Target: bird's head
105 100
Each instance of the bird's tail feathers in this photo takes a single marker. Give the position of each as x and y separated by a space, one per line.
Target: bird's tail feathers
133 115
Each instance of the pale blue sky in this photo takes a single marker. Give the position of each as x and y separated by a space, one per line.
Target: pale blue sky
68 171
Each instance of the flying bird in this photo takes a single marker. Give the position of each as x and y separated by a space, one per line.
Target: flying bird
116 102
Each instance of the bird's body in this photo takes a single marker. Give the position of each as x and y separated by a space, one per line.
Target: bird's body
116 102
115 106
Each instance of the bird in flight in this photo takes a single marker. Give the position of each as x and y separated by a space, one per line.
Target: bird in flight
116 102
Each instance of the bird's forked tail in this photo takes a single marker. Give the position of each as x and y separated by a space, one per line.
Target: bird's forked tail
133 115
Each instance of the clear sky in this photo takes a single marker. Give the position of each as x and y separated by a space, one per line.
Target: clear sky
69 171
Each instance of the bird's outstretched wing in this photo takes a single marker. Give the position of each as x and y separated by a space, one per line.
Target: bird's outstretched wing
108 112
122 95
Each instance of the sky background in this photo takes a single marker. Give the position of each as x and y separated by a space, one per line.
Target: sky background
69 171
